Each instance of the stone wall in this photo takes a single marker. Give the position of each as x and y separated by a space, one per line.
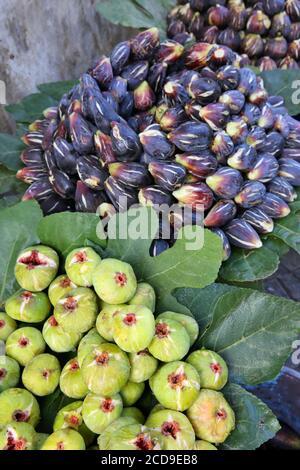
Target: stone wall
49 40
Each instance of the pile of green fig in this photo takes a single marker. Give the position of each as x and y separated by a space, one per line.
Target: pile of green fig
115 359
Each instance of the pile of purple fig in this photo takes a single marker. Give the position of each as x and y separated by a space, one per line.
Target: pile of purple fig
160 123
266 32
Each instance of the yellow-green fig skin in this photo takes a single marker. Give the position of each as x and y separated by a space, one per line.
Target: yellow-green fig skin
28 307
211 368
105 438
71 417
7 326
105 320
77 311
204 445
59 340
176 385
114 281
90 341
134 413
18 405
171 341
211 416
71 380
143 366
24 344
99 412
106 369
58 288
134 328
9 373
41 375
80 265
188 322
17 436
131 393
173 429
64 439
36 267
145 295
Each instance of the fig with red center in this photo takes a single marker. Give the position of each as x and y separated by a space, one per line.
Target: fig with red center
189 323
61 286
9 373
36 267
211 368
171 341
24 344
211 416
133 328
17 436
99 412
173 429
77 311
80 265
18 406
71 416
41 375
59 340
106 369
176 385
71 380
28 307
114 281
129 437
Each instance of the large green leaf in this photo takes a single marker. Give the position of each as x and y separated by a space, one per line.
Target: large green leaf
201 302
176 267
136 13
288 230
255 422
254 332
10 149
249 266
69 230
18 230
57 89
31 107
284 83
11 189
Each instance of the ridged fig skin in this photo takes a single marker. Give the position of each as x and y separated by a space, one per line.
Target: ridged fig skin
241 234
252 193
226 182
274 206
281 187
259 220
220 214
194 194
